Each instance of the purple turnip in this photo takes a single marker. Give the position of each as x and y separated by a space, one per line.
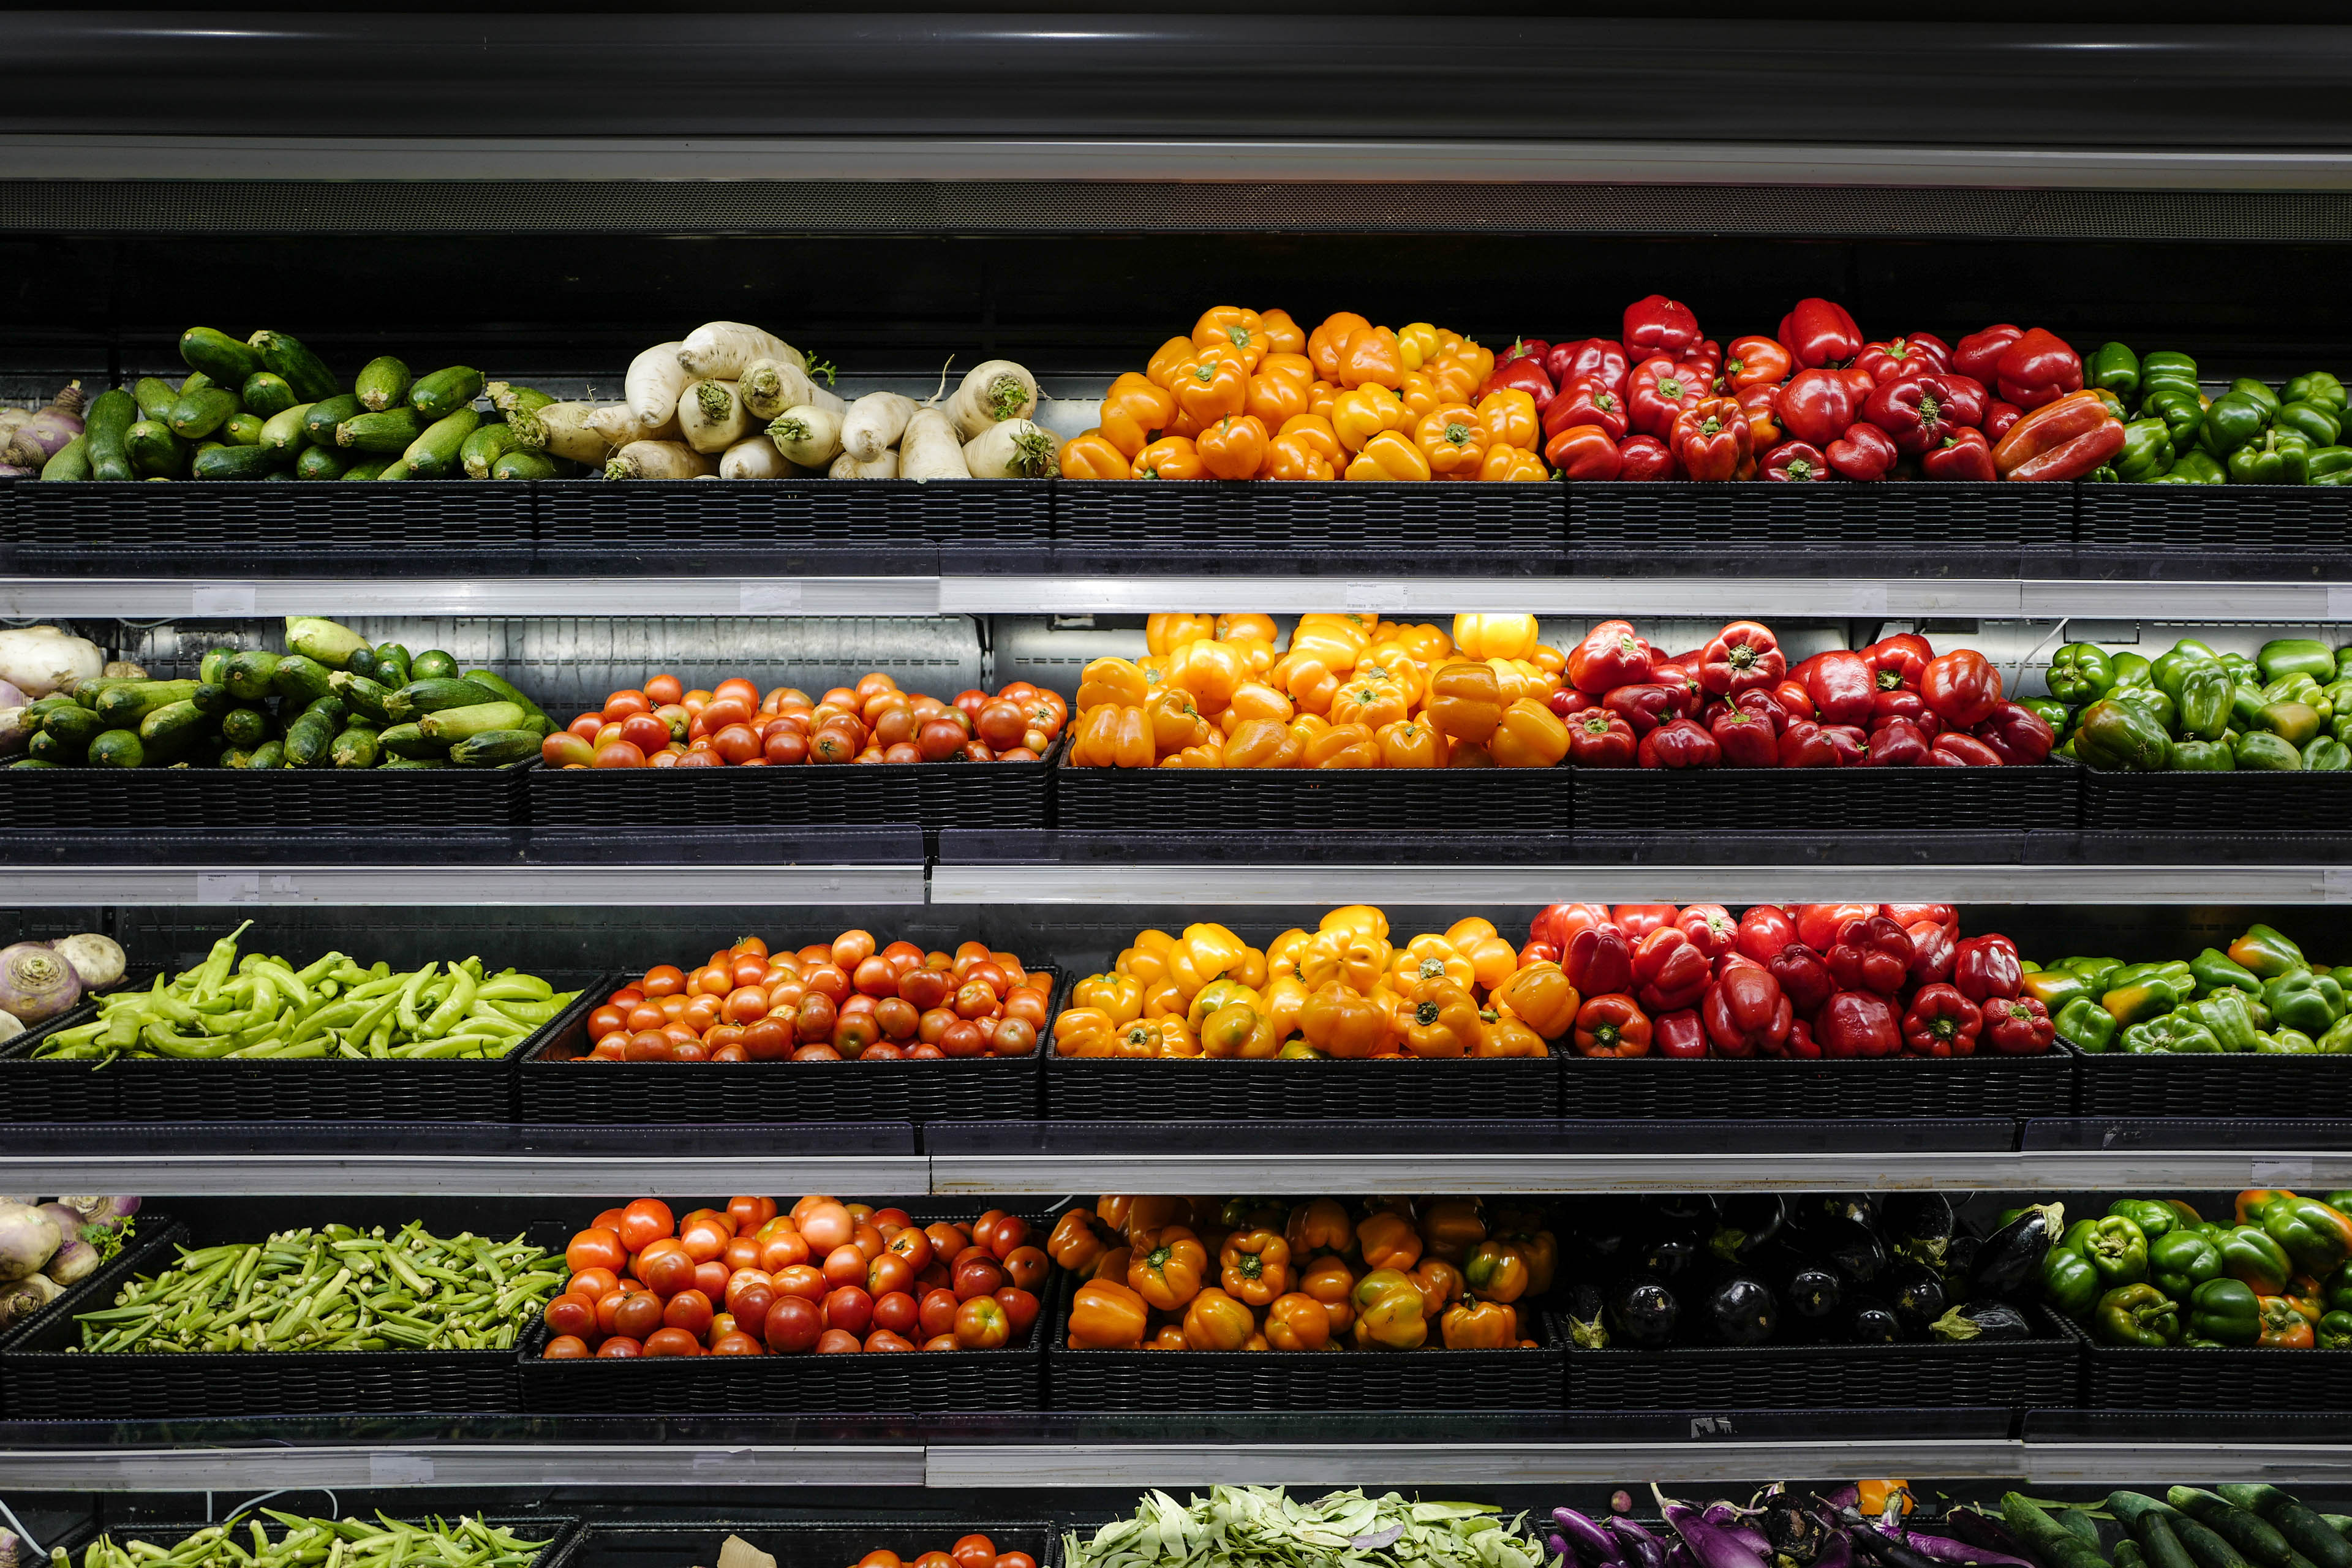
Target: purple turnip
27 1239
36 982
38 439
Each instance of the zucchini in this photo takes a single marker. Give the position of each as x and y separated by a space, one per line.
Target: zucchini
212 698
246 727
521 464
266 394
248 674
217 355
356 747
411 764
308 741
381 383
266 755
283 432
367 468
397 468
434 454
2306 1531
498 686
237 463
319 424
454 724
329 642
2204 1548
2248 1531
121 707
233 757
199 382
495 748
213 668
301 679
334 709
285 354
171 726
2051 1540
389 432
75 727
198 414
117 749
391 665
155 453
105 427
242 429
70 461
363 695
442 393
433 665
363 662
319 463
154 397
63 751
408 740
421 697
485 447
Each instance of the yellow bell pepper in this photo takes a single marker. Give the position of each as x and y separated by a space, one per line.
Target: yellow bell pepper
1479 1326
1175 1039
1340 1022
1147 957
1232 328
1263 743
1164 633
1210 670
1512 465
1117 996
1430 957
1355 958
1209 753
1204 952
1110 682
1531 736
1133 411
1335 639
1371 698
1176 723
1256 699
1214 995
1418 342
1239 625
1282 955
1466 701
1090 456
1443 1022
1388 1240
1109 737
1367 918
1308 681
1394 660
1450 439
1343 745
1364 412
1389 456
1540 995
1229 1028
1084 1032
1163 997
1412 744
1508 1036
1495 636
1419 394
1511 419
1282 999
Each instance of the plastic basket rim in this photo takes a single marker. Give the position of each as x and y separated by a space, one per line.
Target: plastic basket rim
2054 1342
891 769
2084 1342
1857 1065
1066 1290
123 1266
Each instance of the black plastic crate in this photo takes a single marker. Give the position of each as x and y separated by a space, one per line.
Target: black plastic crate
1149 519
163 1089
2209 520
1926 801
1873 1088
2115 1083
1627 518
1424 1379
1423 802
243 529
2258 803
785 525
806 1543
152 1237
232 799
1193 1088
2230 1378
2043 1371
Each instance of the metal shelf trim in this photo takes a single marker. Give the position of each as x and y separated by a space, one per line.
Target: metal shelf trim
459 1465
615 595
466 1176
1985 597
681 887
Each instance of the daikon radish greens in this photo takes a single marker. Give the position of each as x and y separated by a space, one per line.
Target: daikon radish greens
769 387
711 416
993 392
1013 449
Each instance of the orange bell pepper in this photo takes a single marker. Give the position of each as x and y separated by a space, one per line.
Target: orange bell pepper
1107 1315
1168 457
1480 1326
1412 744
1256 699
1420 395
1529 736
1084 1032
1297 1322
1263 743
1439 1282
1134 410
1210 671
1274 398
1283 335
1206 951
1491 958
1320 1224
1233 447
1172 1037
1307 680
1234 329
1168 361
1079 1241
1510 418
1341 1022
1389 1312
1541 996
1508 1036
1138 1040
1112 682
1345 745
1420 343
1512 465
1315 430
1362 413
1325 342
1443 1022
1466 701
1169 1271
1147 957
1166 632
1296 459
1119 996
1093 457
1388 1240
1496 637
1211 389
1355 957
1215 1321
1337 640
1253 1266
1497 1270
1389 456
1429 957
1170 1337
1209 753
1175 720
1294 367
1450 1227
1371 698
1457 380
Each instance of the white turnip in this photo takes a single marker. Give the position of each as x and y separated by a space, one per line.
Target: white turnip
991 393
771 388
874 424
658 460
27 1238
722 351
807 435
74 1260
38 660
27 1295
1013 449
42 435
10 1027
930 449
845 467
711 417
756 458
98 961
652 386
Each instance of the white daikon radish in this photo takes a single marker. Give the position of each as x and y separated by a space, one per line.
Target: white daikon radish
711 417
1013 449
845 467
874 424
930 449
991 393
658 460
617 424
722 351
807 435
564 431
756 458
770 386
651 388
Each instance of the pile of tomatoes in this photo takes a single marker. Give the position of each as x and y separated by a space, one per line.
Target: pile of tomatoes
826 1277
664 725
840 1001
971 1551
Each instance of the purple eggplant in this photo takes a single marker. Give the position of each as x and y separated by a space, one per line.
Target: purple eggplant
1641 1548
1795 1534
1889 1549
1837 1552
1946 1549
1679 1556
1981 1529
1710 1545
1593 1545
1847 1496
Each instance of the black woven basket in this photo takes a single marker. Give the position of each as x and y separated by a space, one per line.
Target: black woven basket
2140 520
1424 801
152 1238
784 525
1353 1380
1875 1089
245 529
2254 803
556 1088
1308 519
1939 519
149 1090
1193 1088
232 799
2230 1378
2042 1372
1827 800
804 1544
2115 1083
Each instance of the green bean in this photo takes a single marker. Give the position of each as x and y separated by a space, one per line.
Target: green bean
465 1542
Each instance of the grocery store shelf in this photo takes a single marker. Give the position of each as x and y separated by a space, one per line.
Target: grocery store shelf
667 887
397 1174
142 597
445 1464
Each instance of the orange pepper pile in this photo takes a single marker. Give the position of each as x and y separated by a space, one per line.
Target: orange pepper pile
1350 692
1250 395
1341 990
1250 1274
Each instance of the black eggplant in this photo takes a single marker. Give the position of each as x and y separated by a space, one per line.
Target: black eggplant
1795 1533
1860 1207
1808 1289
1958 1263
1641 1311
1584 1309
1981 1320
1918 1224
1916 1294
1748 1223
1981 1529
1666 1252
1742 1312
1850 1248
1871 1322
1686 1211
2010 1262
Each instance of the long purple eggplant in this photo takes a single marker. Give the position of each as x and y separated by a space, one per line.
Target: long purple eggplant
1837 1552
1890 1548
1643 1549
1981 1529
1593 1545
1946 1549
1710 1546
1679 1556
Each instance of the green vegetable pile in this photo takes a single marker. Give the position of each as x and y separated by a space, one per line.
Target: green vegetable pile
1264 1527
2235 1526
334 1289
330 701
321 1543
2287 709
2252 434
2261 995
331 1007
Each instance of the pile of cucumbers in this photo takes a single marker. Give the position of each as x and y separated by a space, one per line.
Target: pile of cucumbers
268 408
329 701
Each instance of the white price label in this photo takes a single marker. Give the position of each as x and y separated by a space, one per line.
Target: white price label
1711 1426
220 599
247 887
763 596
2279 1173
400 1467
2335 884
1385 598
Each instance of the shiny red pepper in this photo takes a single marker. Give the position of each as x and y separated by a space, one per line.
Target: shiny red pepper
1917 355
1797 462
1526 374
1897 743
1765 702
1585 452
1660 391
1762 405
1986 966
1678 677
1707 355
1961 687
1597 958
1746 738
2019 736
1746 1012
1805 744
1908 915
1711 930
1906 705
1711 439
1524 348
1957 748
1644 458
1932 944
1755 361
1598 738
1821 333
1857 1024
1678 1034
1964 457
1638 921
1558 924
1743 653
1643 707
1998 417
2073 460
1586 401
2017 1026
1601 360
1896 662
1668 971
1871 955
1816 406
2040 367
1841 686
1864 453
1979 354
1610 655
1920 411
1657 325
1679 744
1795 701
1764 931
1802 976
1941 1023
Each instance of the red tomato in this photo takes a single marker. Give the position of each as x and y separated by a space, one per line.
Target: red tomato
1013 1038
913 1246
889 1275
688 1309
735 1341
1028 1007
802 1279
595 1249
588 726
896 1018
924 989
664 980
564 1347
934 1559
1027 1267
977 1277
565 750
1000 723
975 1551
644 1222
838 1342
623 703
849 1307
735 743
618 754
739 689
571 1314
897 1311
666 689
884 1340
645 732
703 1240
827 980
668 1273
769 1040
963 1038
1015 1560
1010 1233
846 1265
793 1323
710 1278
1021 1307
639 1314
594 1283
936 1311
672 1341
621 1345
946 1240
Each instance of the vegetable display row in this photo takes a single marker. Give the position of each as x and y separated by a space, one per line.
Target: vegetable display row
311 1542
46 1248
2261 995
2286 708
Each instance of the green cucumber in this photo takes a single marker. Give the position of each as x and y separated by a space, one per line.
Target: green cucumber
213 668
121 707
62 750
2051 1540
421 697
356 747
105 427
2248 1531
398 468
155 453
74 726
199 413
219 356
309 740
212 698
171 726
70 461
285 354
237 463
154 397
199 382
319 463
283 432
118 749
301 679
454 724
329 642
521 464
442 393
381 383
2205 1548
389 432
495 748
433 665
363 695
2162 1547
434 454
266 394
2078 1524
2305 1531
246 727
248 674
266 755
319 424
411 764
233 757
408 740
243 429
367 467
486 445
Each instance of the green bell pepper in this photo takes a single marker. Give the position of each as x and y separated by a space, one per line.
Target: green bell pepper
2167 367
2196 468
2155 1217
2277 457
2334 1332
2337 692
2131 667
2326 754
2179 1262
2266 752
2069 1283
2300 689
2225 1013
2260 391
2091 967
2293 722
2122 737
2267 951
2249 1253
2115 1246
2057 715
2080 672
2157 705
2201 757
2172 969
2138 1315
2337 1041
2085 1026
2105 474
2316 386
2336 1290
2317 1237
2283 657
2054 988
2285 1043
2172 668
2303 999
2213 970
2141 1000
2329 465
2203 702
2318 425
2176 1033
2233 420
2113 367
2225 1311
2146 452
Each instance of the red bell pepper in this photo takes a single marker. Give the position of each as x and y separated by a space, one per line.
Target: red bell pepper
1643 707
1961 687
1871 955
1598 959
1863 454
1795 701
1755 361
1956 748
1885 707
1668 971
1799 1046
2017 1026
1558 924
1568 702
1820 332
1932 945
1762 405
1601 360
1610 655
1678 676
1707 355
1897 743
1857 1024
1657 325
1638 921
1598 738
1797 462
1524 375
1678 1034
1586 401
2073 460
1746 738
1841 685
1917 355
1766 703
1659 392
1612 1025
1711 930
1908 915
1802 976
1815 406
1679 744
1920 411
1645 457
1584 452
2019 736
2039 368
1941 1023
1524 348
1964 456
1805 744
1986 966
1764 931
1897 662
1999 420
1711 439
1979 354
1743 653
1746 1012
1818 924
